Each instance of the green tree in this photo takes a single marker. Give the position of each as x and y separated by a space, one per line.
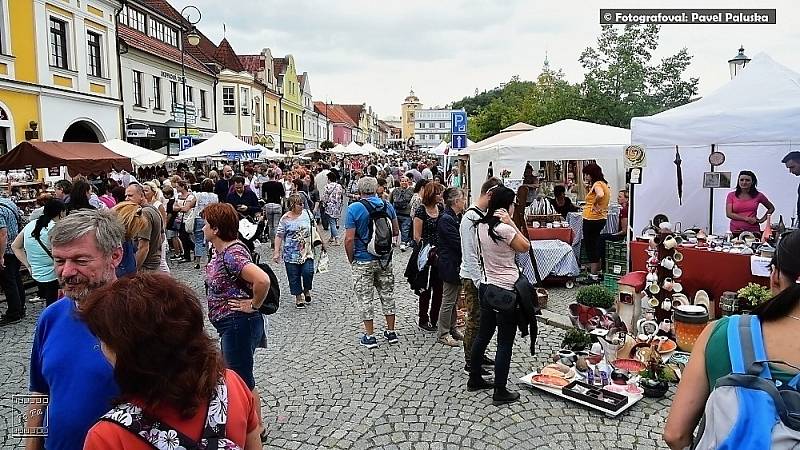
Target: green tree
326 145
622 82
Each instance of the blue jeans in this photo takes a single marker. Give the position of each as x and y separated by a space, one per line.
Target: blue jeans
405 228
240 334
199 239
300 276
333 226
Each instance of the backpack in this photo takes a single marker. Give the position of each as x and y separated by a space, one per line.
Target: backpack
379 240
161 436
21 221
401 200
272 302
747 410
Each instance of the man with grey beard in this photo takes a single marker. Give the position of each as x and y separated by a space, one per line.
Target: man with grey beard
67 369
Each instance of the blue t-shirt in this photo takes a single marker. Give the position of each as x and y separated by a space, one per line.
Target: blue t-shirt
67 365
358 218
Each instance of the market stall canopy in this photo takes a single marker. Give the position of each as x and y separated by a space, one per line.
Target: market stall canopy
80 158
220 144
339 149
752 119
267 154
355 149
508 132
139 156
311 151
372 150
565 140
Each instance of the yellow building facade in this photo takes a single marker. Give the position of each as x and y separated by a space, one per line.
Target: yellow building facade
291 105
58 71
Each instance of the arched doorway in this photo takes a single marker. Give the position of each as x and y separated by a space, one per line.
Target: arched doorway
81 131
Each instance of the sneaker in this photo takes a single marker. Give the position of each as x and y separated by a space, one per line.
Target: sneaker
484 372
427 327
403 247
8 320
448 341
300 305
369 341
36 299
457 335
391 336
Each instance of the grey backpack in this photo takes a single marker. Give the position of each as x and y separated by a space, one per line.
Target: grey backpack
747 410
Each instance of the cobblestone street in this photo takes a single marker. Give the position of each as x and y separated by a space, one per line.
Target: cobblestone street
320 389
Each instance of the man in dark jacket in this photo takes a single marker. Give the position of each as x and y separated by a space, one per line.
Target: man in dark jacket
224 184
244 200
448 264
400 198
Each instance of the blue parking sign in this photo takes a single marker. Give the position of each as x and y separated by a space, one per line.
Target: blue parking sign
459 122
459 141
186 142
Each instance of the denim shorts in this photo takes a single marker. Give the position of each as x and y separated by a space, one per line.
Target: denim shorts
240 335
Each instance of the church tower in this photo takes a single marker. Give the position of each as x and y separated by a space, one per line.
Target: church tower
410 105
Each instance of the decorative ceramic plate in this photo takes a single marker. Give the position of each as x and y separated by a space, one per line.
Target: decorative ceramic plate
631 365
667 346
549 380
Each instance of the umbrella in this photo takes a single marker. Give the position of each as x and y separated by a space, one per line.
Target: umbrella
680 175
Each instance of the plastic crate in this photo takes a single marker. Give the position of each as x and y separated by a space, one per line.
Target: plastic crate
616 267
611 282
617 250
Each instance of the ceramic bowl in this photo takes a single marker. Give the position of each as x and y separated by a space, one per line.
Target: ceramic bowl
631 365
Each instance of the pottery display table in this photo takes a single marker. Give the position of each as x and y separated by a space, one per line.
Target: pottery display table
632 399
713 272
544 234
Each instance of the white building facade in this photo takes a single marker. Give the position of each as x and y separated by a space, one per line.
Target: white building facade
432 126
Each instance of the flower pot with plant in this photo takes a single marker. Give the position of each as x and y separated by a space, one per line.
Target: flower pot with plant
656 376
576 340
752 295
591 301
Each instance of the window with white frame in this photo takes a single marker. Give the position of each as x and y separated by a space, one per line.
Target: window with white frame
94 53
134 19
157 92
244 100
266 115
257 110
203 108
189 94
137 88
228 100
58 43
173 93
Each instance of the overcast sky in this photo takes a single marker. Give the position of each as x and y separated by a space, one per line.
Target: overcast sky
373 51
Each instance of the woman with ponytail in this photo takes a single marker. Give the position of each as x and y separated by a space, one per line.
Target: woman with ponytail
710 360
32 248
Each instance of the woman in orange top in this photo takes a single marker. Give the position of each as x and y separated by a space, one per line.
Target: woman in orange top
595 213
166 366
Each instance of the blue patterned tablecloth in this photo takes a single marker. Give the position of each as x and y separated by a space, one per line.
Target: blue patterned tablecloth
553 257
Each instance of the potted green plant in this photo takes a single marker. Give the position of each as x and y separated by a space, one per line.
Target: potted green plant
590 301
752 295
576 340
656 376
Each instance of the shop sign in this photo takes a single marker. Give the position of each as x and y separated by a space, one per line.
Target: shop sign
172 76
175 133
140 132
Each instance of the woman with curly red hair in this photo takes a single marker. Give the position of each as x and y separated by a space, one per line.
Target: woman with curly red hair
168 369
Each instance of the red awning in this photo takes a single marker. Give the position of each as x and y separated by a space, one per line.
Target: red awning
80 158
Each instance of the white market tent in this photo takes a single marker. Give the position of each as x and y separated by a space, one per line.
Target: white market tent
753 120
372 150
339 149
564 140
219 144
355 149
508 132
139 156
267 154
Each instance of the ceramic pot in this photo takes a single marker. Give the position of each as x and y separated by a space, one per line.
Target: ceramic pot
654 388
689 322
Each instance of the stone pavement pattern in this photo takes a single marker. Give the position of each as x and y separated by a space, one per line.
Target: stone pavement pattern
320 389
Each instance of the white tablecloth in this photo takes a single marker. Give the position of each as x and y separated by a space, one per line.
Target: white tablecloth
575 220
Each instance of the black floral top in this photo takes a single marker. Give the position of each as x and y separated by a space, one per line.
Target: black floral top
430 235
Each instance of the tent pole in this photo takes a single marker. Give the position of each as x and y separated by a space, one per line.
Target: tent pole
711 200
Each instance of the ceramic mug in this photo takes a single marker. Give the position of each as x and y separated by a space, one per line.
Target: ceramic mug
677 272
665 226
567 354
668 263
670 242
653 261
677 287
535 225
666 305
667 284
654 289
652 277
665 326
549 225
653 302
556 224
678 257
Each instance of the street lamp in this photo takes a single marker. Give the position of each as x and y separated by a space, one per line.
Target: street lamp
738 62
192 38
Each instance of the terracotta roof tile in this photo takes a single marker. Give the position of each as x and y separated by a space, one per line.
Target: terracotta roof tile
252 63
204 51
165 9
336 113
153 46
227 57
353 111
279 65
